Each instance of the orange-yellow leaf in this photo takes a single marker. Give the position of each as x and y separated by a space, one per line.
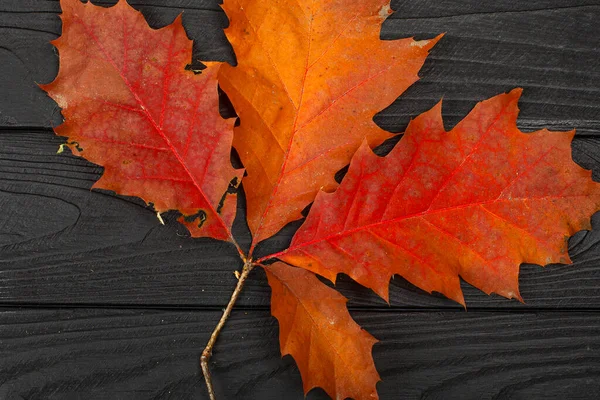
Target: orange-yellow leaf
474 202
130 106
310 77
331 350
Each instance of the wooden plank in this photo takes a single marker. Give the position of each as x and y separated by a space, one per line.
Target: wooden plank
62 243
149 354
490 47
550 48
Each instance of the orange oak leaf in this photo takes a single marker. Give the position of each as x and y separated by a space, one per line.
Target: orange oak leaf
130 106
315 328
310 77
474 202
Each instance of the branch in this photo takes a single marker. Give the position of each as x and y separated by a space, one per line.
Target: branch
207 353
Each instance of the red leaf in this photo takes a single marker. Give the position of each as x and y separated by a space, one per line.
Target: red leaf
331 350
310 77
476 202
130 106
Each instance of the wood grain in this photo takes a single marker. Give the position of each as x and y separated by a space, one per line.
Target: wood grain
151 354
100 248
102 302
548 47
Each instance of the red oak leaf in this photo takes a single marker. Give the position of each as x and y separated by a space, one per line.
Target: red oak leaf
474 202
310 77
331 350
130 106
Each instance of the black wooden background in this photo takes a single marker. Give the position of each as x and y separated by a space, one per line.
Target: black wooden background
100 301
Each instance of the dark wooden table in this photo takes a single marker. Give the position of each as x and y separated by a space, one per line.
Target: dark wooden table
100 301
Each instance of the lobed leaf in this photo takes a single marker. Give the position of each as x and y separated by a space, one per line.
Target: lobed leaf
130 106
310 77
330 349
474 202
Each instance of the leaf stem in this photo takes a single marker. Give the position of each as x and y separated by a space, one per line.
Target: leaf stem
207 353
239 249
271 256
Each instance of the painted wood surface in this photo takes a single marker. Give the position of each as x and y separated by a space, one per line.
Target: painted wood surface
100 301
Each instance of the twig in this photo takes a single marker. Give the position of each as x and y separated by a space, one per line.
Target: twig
248 266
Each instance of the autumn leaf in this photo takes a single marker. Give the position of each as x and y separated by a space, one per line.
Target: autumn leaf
130 106
309 79
474 202
330 349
